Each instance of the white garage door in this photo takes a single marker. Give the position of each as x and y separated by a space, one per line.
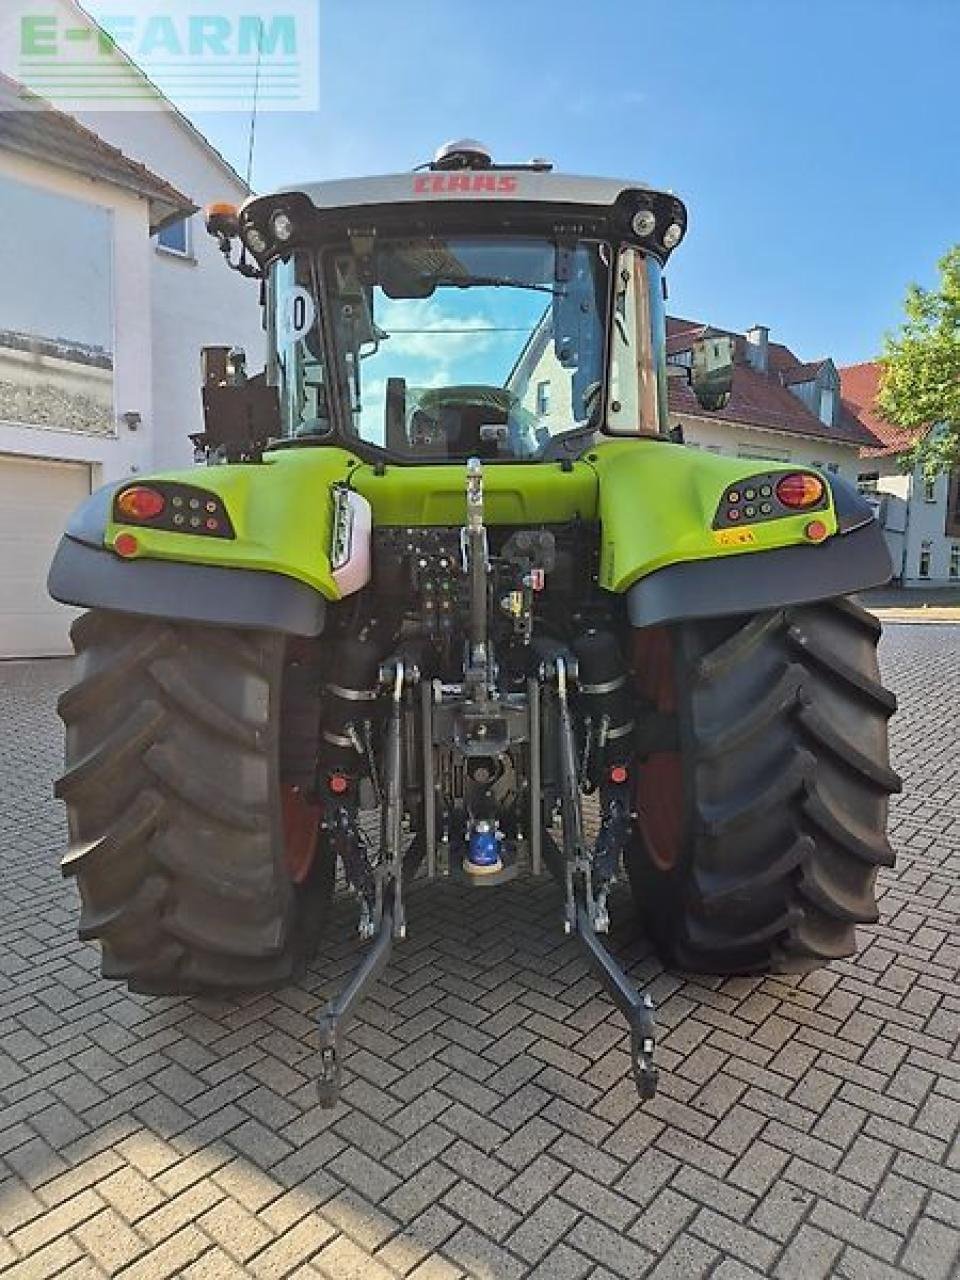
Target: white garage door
36 497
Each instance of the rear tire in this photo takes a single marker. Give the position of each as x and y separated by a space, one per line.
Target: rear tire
757 844
176 808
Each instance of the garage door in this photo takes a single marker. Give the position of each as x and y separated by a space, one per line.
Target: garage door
36 497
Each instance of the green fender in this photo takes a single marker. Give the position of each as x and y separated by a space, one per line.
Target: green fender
656 503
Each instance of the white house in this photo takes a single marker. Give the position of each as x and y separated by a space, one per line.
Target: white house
76 374
195 300
920 516
115 318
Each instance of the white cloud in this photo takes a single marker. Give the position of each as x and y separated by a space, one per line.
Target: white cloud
423 329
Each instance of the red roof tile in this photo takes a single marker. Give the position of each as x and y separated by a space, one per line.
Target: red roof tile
802 372
762 399
859 385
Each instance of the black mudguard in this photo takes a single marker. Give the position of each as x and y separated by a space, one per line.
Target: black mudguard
751 583
94 578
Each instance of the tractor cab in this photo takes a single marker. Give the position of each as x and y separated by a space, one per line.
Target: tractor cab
467 309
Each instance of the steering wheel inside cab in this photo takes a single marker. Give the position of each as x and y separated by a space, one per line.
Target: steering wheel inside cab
448 422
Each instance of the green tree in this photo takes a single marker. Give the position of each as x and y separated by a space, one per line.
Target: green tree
921 368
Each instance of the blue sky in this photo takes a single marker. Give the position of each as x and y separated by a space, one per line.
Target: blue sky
816 142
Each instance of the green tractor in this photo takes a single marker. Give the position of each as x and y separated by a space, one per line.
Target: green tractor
446 578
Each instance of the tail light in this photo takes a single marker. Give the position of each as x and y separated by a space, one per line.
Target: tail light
800 489
141 503
169 506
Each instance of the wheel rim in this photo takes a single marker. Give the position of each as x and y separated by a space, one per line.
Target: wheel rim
658 791
301 829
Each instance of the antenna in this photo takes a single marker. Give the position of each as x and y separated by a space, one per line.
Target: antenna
256 103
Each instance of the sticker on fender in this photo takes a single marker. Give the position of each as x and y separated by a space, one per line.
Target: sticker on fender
735 537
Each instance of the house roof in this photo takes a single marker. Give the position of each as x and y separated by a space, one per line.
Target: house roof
758 400
801 372
859 385
31 126
184 121
762 399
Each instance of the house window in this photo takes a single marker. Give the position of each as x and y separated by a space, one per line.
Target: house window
175 238
833 468
868 481
955 560
925 550
543 399
767 454
952 522
929 488
827 401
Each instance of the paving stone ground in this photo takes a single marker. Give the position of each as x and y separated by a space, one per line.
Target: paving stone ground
804 1128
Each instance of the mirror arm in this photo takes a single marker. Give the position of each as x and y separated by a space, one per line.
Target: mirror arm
242 263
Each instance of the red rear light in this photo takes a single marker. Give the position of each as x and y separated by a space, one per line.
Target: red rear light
800 489
141 503
126 545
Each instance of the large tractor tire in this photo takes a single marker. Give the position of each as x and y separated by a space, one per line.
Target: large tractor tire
759 833
199 867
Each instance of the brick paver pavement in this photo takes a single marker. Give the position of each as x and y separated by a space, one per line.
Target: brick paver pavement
804 1127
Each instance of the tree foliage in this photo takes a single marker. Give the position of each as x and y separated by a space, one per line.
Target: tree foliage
921 369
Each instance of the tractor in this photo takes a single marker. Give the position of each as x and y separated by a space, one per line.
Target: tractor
449 597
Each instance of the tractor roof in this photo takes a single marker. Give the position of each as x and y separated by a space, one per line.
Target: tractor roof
505 183
460 186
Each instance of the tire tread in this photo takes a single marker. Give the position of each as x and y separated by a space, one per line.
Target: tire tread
783 726
181 882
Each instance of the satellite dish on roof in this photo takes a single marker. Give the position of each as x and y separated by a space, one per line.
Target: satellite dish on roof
462 153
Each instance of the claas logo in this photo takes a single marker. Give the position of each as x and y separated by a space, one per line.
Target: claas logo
429 184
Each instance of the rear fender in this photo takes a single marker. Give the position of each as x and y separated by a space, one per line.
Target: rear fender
660 546
274 571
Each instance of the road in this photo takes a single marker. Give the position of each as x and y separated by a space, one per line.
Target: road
805 1127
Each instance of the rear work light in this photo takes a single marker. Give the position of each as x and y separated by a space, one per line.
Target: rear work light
170 506
141 503
800 489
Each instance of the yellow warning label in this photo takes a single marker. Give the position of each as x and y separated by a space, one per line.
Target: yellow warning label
735 537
